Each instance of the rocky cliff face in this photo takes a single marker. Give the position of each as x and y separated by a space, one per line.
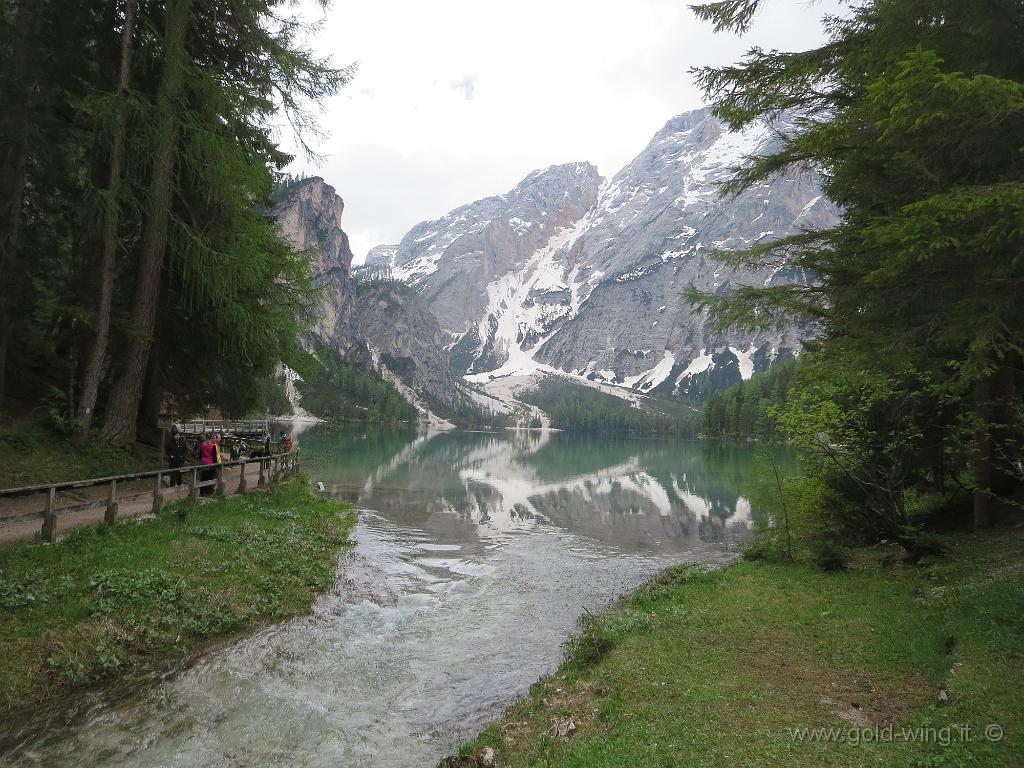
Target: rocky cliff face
309 214
378 325
568 273
406 338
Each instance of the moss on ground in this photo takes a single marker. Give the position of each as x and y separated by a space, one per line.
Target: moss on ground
147 594
732 667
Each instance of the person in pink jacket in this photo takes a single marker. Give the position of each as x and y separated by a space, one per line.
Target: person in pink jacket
207 454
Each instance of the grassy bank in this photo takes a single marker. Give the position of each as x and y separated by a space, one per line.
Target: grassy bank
33 454
140 595
725 668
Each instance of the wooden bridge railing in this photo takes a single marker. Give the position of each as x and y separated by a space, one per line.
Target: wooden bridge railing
271 469
238 426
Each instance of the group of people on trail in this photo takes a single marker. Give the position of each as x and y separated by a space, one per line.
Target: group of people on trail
207 452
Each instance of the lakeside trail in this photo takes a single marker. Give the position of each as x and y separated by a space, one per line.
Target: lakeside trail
764 664
27 530
110 602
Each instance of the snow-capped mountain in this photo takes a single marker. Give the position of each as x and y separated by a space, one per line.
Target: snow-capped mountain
572 273
459 261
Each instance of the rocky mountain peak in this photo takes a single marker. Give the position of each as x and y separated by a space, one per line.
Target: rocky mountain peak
682 123
450 260
309 214
555 179
573 274
381 256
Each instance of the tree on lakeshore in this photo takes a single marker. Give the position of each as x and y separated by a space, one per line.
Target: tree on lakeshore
913 111
111 222
119 427
149 158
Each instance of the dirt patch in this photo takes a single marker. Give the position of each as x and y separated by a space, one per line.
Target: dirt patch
558 709
854 697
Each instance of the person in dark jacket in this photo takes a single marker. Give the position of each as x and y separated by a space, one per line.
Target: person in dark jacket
177 452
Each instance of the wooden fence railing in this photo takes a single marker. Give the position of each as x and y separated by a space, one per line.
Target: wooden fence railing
270 470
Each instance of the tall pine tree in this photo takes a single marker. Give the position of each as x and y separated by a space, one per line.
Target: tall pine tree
913 110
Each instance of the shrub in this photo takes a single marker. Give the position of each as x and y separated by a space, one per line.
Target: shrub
585 649
828 556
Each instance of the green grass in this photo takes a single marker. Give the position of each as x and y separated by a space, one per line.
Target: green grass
147 595
702 668
32 454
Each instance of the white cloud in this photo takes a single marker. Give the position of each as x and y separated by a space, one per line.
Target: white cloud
459 99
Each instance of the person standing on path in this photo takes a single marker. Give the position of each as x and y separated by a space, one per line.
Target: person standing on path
177 451
207 451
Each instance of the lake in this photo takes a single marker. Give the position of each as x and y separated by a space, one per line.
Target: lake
475 553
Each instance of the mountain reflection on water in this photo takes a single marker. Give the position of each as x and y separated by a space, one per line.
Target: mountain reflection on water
631 493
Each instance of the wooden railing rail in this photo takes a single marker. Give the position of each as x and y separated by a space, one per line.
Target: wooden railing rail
271 470
238 426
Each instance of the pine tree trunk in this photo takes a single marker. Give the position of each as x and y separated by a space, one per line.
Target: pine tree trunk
152 396
119 427
111 220
13 165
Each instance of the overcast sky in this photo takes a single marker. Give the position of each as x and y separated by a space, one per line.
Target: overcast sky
459 99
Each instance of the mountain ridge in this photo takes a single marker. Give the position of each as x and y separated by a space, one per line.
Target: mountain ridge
585 276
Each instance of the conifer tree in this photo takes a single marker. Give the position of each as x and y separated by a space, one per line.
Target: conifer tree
111 222
119 427
913 111
141 219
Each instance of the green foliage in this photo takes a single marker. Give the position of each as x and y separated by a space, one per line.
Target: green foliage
149 594
272 397
368 278
465 413
867 434
746 409
32 452
576 407
338 391
589 646
828 557
232 295
795 508
911 111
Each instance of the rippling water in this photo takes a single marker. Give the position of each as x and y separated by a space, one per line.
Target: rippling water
475 554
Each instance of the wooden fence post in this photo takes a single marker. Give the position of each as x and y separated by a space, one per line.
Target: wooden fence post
263 476
158 497
193 484
220 479
111 514
241 478
49 532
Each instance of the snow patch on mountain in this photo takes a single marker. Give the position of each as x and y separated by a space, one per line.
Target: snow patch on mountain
573 275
